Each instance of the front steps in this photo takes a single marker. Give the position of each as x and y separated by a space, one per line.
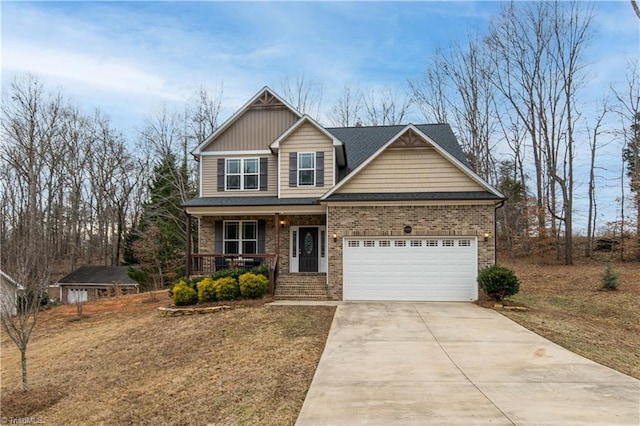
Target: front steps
301 286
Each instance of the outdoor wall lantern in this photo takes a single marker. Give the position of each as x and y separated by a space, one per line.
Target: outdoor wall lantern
408 229
283 223
486 237
335 238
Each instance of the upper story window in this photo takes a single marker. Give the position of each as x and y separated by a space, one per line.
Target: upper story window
242 174
306 169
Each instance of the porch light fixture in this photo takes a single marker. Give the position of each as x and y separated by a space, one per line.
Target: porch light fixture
486 237
282 223
335 238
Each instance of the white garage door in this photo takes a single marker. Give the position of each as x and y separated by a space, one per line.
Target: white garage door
77 296
412 269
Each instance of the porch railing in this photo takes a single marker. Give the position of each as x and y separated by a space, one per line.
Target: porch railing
209 263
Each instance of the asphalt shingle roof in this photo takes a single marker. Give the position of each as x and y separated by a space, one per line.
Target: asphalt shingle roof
248 201
362 142
99 275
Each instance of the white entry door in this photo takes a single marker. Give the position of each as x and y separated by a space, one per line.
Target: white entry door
411 269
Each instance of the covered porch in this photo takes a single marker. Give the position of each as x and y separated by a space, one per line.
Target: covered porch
288 242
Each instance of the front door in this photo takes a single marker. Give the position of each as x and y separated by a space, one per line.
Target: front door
308 250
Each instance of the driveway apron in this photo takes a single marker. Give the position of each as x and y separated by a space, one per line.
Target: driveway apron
391 363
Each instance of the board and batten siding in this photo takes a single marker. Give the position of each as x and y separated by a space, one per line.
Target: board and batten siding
209 177
307 138
420 169
255 130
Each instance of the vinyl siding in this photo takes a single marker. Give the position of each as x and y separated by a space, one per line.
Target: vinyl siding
410 170
306 139
255 130
210 177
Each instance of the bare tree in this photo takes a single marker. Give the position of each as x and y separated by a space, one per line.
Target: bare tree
538 53
594 134
303 94
386 107
430 92
636 9
347 109
627 109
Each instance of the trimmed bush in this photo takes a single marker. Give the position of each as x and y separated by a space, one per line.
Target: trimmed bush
175 284
184 295
610 278
498 282
253 285
261 270
206 290
229 272
227 288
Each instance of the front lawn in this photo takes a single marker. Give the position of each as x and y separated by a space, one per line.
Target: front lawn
126 364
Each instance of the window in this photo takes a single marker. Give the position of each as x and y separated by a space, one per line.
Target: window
385 243
294 242
241 237
464 243
323 243
416 243
306 169
369 243
431 243
400 243
242 174
354 244
447 243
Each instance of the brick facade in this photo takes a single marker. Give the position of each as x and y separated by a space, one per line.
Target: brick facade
463 220
351 221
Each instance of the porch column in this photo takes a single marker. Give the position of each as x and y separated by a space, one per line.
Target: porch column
277 225
188 246
272 274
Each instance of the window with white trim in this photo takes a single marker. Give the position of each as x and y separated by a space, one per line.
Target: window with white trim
416 243
385 243
354 243
241 237
447 243
464 243
306 169
242 174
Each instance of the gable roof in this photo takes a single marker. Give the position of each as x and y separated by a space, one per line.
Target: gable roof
265 92
336 142
440 136
98 275
362 142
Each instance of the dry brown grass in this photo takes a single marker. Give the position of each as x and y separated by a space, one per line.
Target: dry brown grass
567 306
125 364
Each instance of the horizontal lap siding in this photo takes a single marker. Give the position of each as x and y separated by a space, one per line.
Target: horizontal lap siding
410 170
306 139
210 177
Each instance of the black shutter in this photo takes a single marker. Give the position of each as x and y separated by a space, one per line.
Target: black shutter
264 162
218 233
319 168
220 174
293 169
262 232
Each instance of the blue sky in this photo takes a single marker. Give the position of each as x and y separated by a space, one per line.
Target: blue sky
130 58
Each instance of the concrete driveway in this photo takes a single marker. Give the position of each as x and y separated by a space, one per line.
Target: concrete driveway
456 363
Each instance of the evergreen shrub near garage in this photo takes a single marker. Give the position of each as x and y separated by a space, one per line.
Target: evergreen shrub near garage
498 282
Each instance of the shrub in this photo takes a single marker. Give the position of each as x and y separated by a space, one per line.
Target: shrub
183 295
261 270
498 282
229 272
610 278
253 285
227 288
176 284
206 290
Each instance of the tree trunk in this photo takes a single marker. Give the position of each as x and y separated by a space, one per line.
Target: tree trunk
23 364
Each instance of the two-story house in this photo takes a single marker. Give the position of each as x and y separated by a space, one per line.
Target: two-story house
350 213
